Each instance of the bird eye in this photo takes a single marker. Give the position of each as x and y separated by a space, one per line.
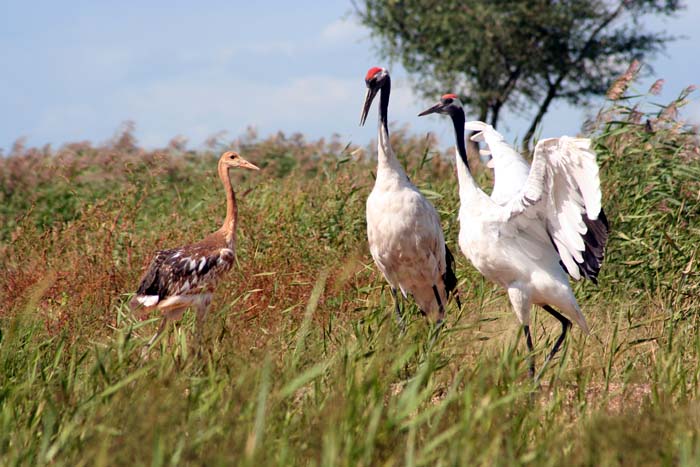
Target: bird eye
448 101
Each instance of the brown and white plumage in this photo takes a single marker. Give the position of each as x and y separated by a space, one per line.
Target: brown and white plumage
186 276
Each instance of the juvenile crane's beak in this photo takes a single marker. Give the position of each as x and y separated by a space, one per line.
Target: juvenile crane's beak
247 165
369 97
436 108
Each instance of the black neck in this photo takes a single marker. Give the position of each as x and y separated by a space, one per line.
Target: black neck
458 121
384 104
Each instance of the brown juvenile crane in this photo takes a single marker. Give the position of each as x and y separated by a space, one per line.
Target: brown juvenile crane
186 276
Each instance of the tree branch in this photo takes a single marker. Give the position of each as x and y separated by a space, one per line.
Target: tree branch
553 88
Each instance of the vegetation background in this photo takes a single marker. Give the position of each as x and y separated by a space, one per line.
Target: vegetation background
303 362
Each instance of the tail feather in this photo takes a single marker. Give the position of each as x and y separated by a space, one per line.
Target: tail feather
145 301
449 277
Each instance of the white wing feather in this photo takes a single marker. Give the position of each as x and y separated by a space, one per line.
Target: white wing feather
549 197
562 185
510 168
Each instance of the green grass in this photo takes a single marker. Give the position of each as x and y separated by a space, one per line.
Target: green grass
303 362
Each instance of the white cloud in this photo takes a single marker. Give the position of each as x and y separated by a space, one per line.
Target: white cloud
286 48
185 106
202 102
343 30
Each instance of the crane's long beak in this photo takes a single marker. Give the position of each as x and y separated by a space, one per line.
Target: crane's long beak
436 108
369 97
247 165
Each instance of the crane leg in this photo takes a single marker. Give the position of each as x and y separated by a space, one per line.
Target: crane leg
530 350
459 304
202 307
397 308
172 308
565 325
163 323
441 315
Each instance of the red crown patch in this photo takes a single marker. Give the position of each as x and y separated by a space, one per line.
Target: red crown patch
372 71
450 96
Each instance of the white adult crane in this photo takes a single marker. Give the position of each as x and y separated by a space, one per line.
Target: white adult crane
403 228
539 224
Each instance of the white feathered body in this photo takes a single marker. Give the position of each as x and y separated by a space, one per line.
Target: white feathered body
510 237
520 261
405 237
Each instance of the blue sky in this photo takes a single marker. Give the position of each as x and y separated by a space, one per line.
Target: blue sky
76 70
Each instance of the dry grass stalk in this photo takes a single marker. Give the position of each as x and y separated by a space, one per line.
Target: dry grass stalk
657 87
618 88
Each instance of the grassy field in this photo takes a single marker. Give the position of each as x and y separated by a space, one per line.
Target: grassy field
303 362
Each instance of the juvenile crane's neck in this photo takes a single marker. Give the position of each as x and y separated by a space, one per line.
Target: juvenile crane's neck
228 229
386 160
467 185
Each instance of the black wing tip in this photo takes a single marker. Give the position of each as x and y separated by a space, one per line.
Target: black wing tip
604 219
595 239
149 282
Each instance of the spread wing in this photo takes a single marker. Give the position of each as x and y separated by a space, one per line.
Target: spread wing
563 188
510 169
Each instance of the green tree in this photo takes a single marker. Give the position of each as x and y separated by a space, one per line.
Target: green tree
523 53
